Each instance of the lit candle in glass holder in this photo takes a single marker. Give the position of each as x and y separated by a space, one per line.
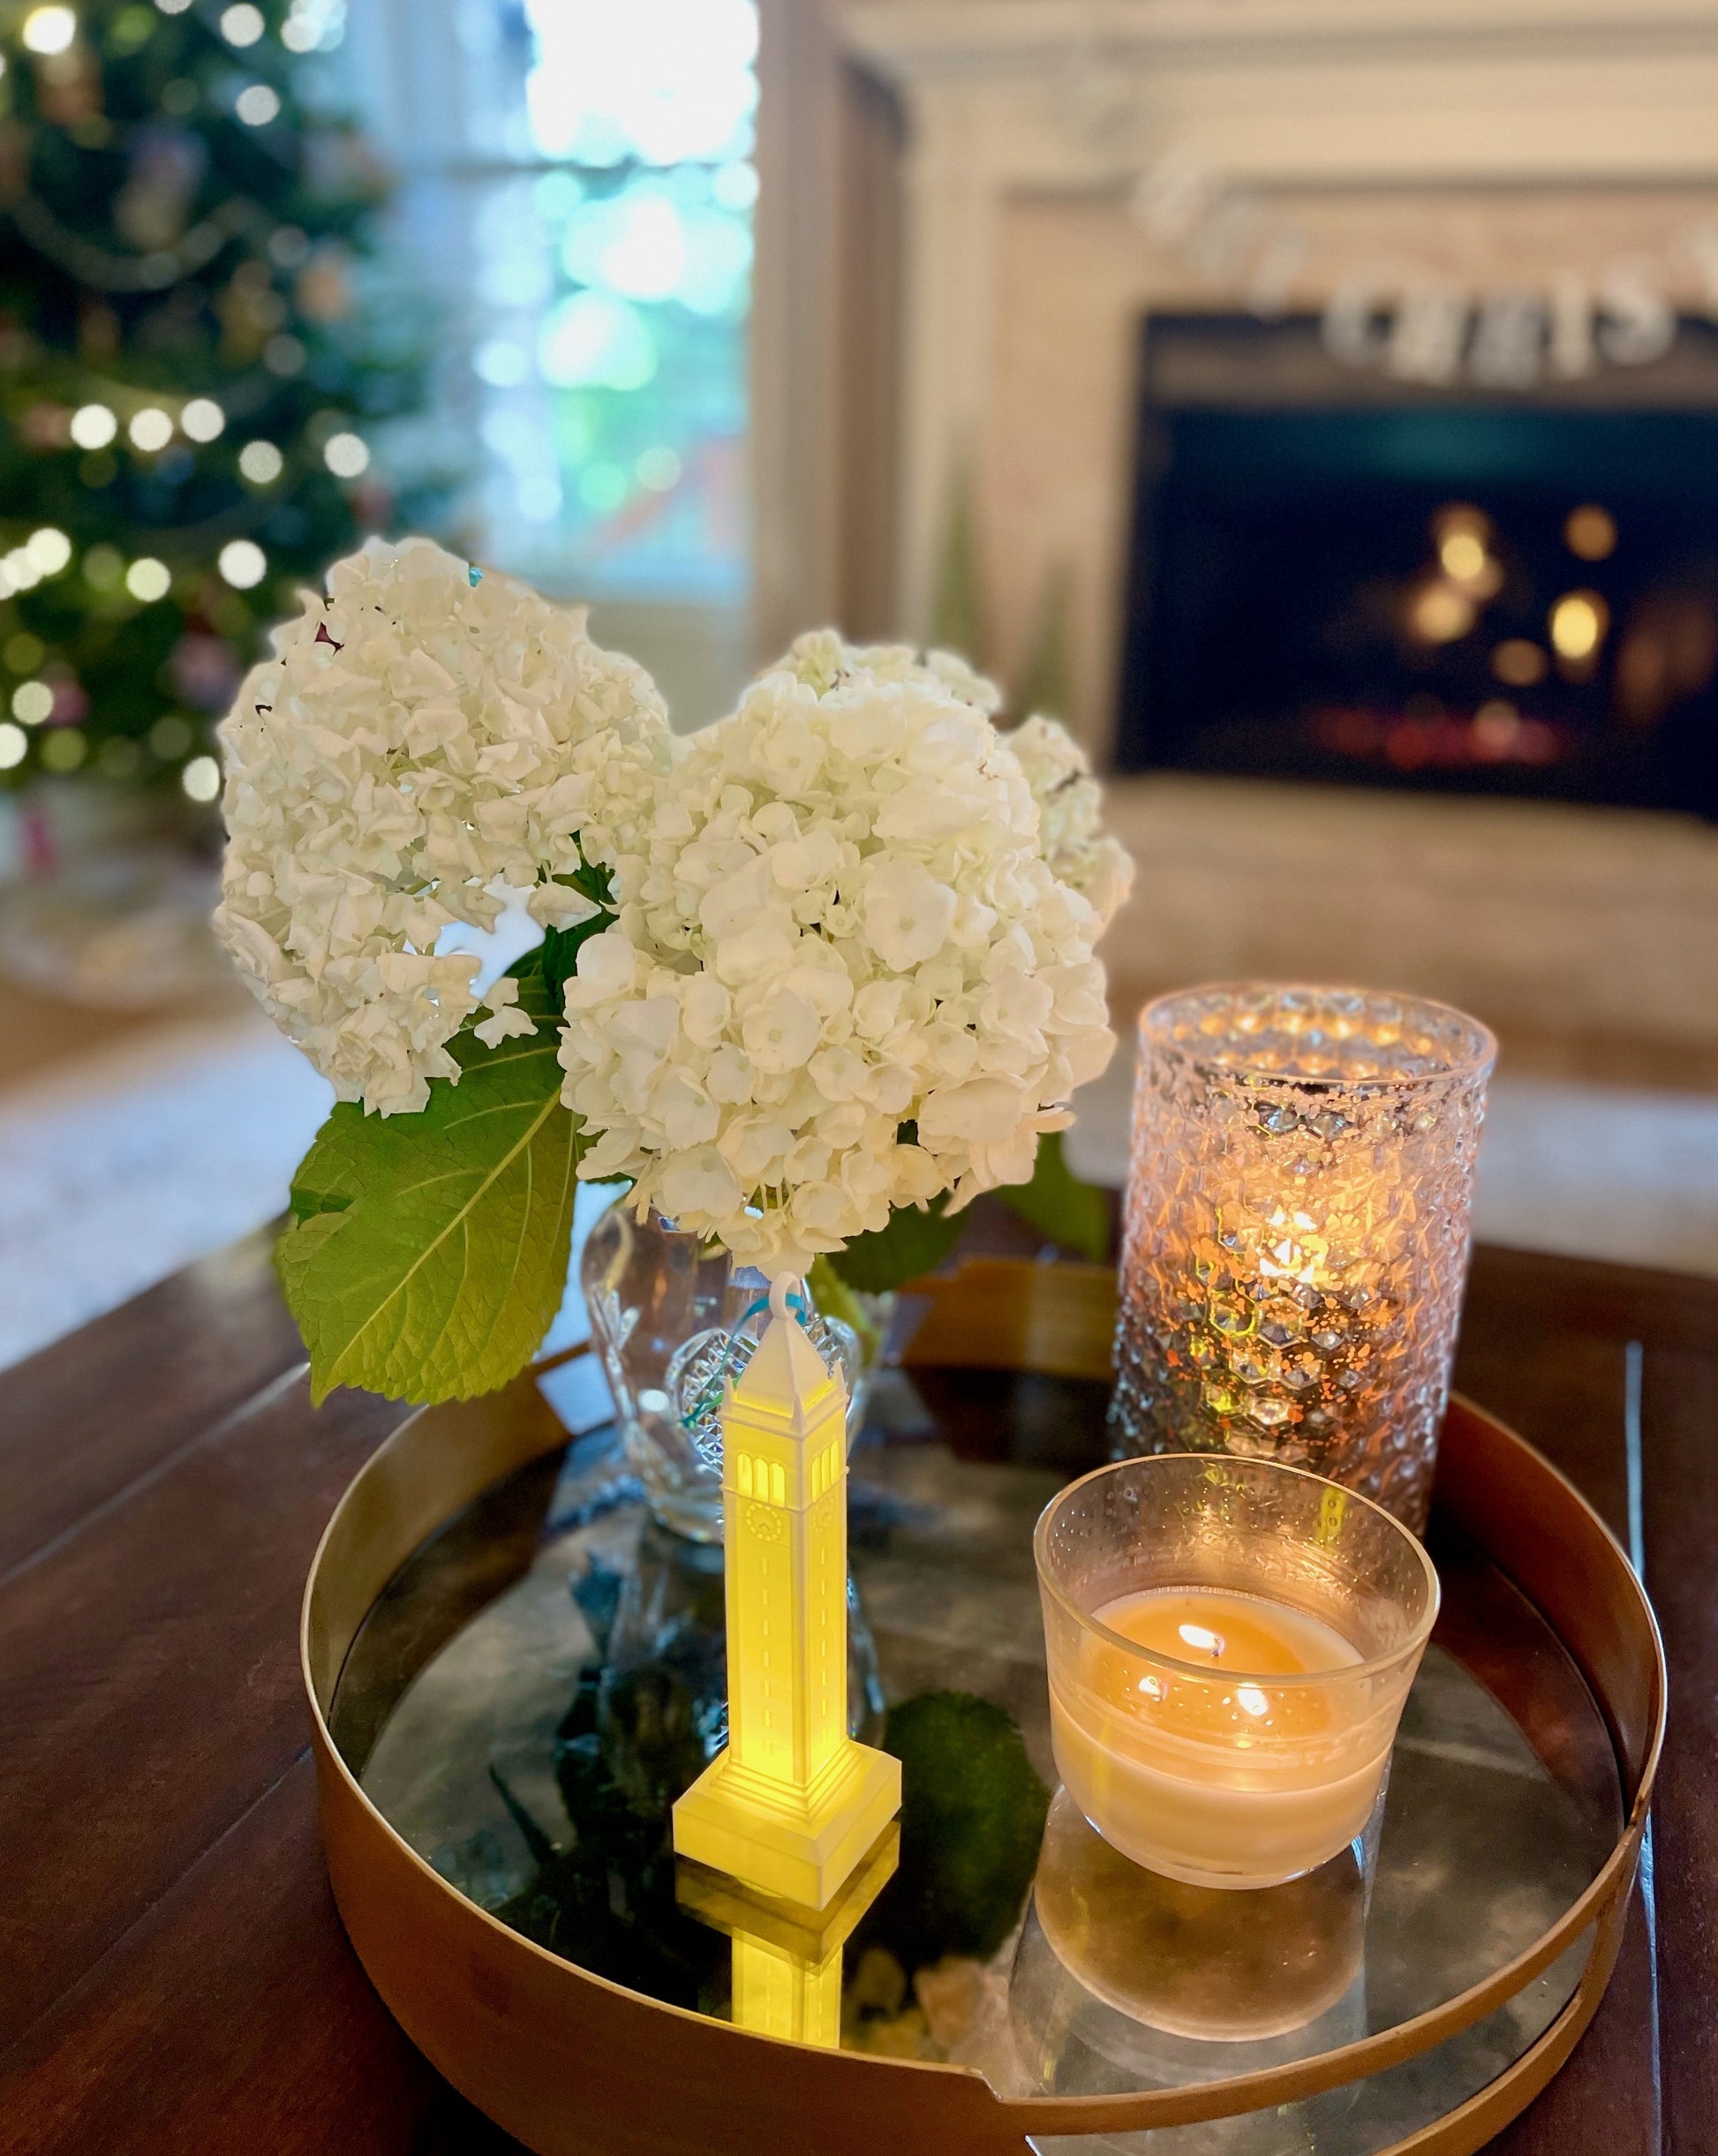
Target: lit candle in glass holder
1228 1646
1298 1227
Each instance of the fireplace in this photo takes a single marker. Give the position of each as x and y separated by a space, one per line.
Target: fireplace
1335 577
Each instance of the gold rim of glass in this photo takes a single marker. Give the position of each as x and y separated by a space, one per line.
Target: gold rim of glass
1372 1666
1482 1054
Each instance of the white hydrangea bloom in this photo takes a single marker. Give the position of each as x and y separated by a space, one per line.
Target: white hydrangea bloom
417 740
838 922
1070 810
503 1000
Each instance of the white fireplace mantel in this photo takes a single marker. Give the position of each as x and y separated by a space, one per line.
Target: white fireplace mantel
1264 94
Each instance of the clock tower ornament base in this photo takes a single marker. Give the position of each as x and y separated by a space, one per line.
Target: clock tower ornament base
805 1853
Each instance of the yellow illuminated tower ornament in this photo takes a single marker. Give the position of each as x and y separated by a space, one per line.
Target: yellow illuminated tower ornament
792 1804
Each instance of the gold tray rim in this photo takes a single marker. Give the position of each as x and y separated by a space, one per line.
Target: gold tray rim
723 2088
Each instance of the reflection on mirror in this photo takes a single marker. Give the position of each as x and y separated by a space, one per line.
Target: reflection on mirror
786 1971
1125 1979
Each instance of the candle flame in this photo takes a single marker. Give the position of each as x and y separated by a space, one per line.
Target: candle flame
1299 1252
1206 1642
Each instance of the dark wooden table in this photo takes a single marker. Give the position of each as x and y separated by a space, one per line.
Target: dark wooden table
173 1976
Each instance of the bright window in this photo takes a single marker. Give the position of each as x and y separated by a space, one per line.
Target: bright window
586 202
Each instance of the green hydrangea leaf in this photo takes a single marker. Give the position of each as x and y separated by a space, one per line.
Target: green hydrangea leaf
835 1298
427 1253
1057 1205
972 1814
911 1243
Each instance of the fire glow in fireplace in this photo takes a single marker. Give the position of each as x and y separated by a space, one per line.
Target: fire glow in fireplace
1338 578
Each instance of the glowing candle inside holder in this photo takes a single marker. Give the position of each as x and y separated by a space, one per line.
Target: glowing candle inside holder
1297 1231
792 1803
1229 1645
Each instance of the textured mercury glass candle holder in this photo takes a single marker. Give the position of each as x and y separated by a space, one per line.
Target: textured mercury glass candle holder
1297 1233
1229 1645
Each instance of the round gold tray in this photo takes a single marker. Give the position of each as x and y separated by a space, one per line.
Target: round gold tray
575 2065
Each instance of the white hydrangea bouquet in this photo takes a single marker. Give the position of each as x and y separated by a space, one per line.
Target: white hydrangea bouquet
809 980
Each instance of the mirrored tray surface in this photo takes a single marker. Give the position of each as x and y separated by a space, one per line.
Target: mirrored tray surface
542 1677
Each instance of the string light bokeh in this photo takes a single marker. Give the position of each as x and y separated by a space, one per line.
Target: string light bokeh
194 368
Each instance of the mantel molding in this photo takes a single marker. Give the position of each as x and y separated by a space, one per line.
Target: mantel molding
973 38
1318 92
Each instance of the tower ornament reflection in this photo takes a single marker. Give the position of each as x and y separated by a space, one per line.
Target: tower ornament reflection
787 1966
792 1804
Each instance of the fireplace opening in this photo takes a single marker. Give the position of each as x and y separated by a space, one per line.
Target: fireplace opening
1338 578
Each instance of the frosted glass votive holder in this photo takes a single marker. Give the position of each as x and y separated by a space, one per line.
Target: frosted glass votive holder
1257 1750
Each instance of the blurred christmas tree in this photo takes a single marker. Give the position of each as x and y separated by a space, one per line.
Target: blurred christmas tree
191 374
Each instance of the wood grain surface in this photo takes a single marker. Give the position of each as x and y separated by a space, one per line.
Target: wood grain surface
173 1976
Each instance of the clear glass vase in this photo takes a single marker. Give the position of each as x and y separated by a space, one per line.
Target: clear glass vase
662 1307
